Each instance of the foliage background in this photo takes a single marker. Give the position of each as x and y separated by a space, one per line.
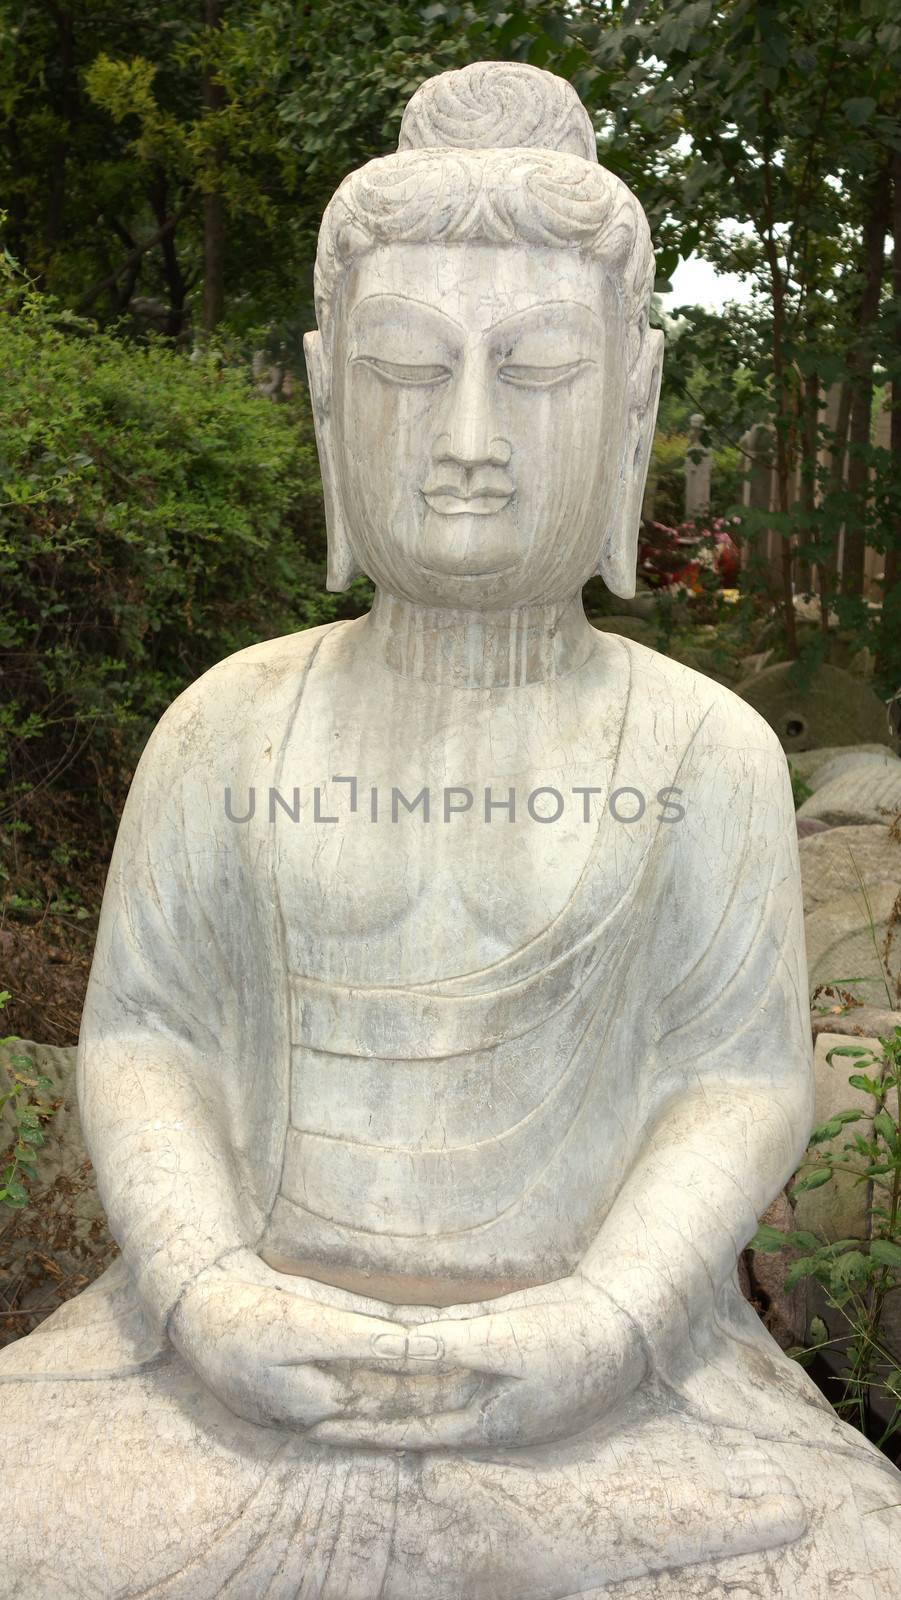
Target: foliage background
163 171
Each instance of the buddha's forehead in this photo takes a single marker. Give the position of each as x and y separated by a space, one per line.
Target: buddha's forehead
478 285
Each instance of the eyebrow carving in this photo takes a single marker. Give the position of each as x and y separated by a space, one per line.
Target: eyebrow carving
537 313
433 312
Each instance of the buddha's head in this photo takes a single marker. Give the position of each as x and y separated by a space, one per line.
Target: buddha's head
484 379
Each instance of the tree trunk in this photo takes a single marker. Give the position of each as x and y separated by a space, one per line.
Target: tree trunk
57 192
785 420
810 442
213 205
784 426
891 590
863 358
827 564
176 283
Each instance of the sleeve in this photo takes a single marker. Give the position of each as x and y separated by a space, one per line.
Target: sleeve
728 1083
182 1036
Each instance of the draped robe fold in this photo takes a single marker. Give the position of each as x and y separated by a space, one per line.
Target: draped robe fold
199 951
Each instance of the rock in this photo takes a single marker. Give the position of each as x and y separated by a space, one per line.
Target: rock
845 949
806 763
834 862
756 663
861 794
838 1210
853 759
807 826
830 707
59 1242
783 1311
860 1021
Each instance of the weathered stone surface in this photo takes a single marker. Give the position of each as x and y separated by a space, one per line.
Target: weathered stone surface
836 862
860 1021
806 827
862 794
783 1311
806 763
838 1210
846 943
59 1243
872 762
431 1145
833 708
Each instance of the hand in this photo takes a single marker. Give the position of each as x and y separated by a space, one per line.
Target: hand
283 1350
554 1359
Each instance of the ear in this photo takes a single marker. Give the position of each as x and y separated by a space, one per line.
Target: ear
619 548
342 565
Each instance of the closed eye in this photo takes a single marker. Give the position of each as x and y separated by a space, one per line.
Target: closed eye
405 373
524 377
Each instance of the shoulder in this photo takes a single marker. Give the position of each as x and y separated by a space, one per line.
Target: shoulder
244 697
700 710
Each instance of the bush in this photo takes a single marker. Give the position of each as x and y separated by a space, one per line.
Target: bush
156 513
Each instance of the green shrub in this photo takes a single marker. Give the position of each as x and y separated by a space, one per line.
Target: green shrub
858 1274
156 513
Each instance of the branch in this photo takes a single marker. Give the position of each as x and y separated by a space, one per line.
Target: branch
110 281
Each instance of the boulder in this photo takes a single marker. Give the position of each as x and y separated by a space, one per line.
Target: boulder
847 949
59 1242
824 707
762 1277
838 1210
807 763
836 861
852 760
861 794
806 826
860 1021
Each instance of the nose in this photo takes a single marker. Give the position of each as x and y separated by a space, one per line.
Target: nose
471 437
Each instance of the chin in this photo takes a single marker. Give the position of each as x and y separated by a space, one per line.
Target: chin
467 546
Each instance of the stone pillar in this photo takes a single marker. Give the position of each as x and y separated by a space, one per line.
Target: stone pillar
697 473
757 493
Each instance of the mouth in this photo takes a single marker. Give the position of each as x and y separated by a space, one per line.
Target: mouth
449 502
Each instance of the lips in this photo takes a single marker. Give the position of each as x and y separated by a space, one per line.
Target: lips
450 501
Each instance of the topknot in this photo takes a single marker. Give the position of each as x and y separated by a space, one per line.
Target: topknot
498 105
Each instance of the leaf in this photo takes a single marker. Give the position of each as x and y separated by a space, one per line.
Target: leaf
859 109
887 1127
868 1085
767 1240
803 1268
814 1180
850 1268
819 1333
886 1253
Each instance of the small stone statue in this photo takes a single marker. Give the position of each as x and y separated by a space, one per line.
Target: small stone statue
448 1030
698 467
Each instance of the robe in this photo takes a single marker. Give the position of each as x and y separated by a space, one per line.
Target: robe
131 1480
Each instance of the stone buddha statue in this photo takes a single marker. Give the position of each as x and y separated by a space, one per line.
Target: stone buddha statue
448 1030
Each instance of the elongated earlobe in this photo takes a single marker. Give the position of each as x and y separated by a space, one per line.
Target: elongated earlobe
342 564
619 547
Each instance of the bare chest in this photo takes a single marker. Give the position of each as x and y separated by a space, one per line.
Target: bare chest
411 847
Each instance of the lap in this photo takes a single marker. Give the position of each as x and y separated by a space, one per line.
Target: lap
133 1482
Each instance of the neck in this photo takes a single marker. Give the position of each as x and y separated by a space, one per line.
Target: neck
479 649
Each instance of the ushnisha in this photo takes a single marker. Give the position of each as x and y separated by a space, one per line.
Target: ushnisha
431 1152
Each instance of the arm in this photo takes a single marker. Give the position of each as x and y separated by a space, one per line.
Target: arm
179 1097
